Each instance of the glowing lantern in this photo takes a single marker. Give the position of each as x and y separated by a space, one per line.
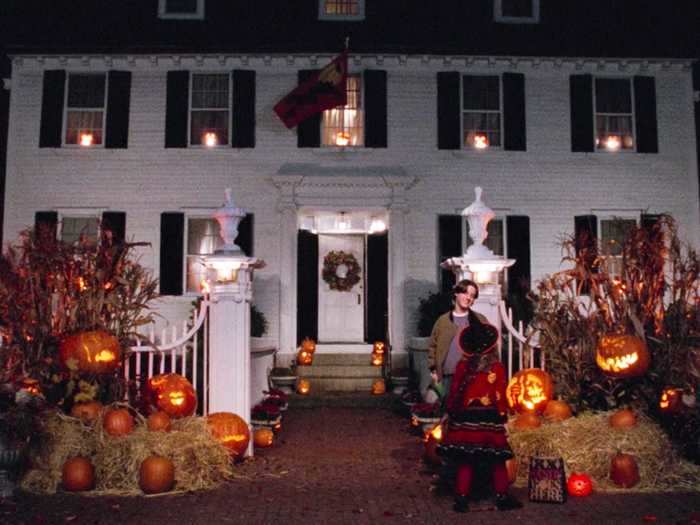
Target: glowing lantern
86 139
670 400
378 387
377 359
378 347
529 390
173 394
622 355
231 431
308 345
612 143
579 484
431 440
210 139
303 386
96 352
304 358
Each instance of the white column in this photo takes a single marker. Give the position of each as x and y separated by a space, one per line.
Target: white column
288 275
397 275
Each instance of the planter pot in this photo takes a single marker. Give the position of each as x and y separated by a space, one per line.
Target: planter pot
284 383
400 383
272 424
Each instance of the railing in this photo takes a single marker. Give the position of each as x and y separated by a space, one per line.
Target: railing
186 354
527 343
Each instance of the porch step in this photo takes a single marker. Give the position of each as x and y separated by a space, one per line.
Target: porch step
340 373
340 359
344 400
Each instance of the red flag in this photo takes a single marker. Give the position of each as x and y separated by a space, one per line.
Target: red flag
324 90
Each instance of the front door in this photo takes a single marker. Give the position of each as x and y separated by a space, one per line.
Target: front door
341 312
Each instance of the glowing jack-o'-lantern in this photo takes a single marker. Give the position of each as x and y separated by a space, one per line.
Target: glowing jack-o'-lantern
96 352
303 386
378 387
378 347
231 431
670 400
377 359
308 345
622 355
263 438
173 394
305 358
431 440
529 390
579 484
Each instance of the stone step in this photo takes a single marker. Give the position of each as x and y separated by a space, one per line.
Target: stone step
344 400
343 348
343 359
348 371
341 384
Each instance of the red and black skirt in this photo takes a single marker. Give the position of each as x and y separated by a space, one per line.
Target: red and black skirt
476 435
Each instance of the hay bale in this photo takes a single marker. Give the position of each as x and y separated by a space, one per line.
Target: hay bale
200 461
587 443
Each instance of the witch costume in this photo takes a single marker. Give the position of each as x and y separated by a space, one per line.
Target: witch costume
476 439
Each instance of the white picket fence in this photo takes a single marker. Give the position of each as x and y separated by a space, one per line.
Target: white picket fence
529 354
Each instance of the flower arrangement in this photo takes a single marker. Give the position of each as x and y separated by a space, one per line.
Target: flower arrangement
341 271
265 412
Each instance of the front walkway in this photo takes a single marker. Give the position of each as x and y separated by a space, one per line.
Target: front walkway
339 465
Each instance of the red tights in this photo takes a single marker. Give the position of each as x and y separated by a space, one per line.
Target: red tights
465 473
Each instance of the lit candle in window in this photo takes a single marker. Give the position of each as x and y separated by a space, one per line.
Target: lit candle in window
612 143
481 141
342 138
210 139
86 139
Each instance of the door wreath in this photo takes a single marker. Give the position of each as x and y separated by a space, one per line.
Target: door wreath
340 270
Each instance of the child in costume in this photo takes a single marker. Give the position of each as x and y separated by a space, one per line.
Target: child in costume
476 439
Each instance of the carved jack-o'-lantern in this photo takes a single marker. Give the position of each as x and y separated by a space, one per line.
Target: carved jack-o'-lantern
96 352
173 394
579 484
529 390
305 358
670 400
622 355
431 440
378 347
303 386
378 387
231 431
308 345
377 359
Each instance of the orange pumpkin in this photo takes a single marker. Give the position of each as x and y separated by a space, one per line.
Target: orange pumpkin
173 394
624 471
557 410
159 422
378 347
87 412
624 418
579 484
305 358
118 422
670 400
263 438
303 386
78 474
377 359
378 387
622 355
96 352
231 431
308 345
431 440
156 475
527 421
529 390
512 469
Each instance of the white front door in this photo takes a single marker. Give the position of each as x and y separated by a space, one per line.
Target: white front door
341 313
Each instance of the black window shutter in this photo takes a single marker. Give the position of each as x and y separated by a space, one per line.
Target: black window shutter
118 101
377 287
115 221
307 286
449 245
176 108
245 234
581 101
645 115
514 137
375 109
518 248
52 98
46 223
586 238
243 113
309 131
172 245
448 110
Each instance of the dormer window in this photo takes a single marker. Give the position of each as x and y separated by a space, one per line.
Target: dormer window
181 9
341 9
516 11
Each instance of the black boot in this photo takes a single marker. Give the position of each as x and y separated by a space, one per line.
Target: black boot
507 502
461 504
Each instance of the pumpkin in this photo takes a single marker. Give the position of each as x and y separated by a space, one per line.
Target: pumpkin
78 474
529 390
512 469
156 475
87 411
305 358
431 440
231 431
378 347
378 387
118 422
670 400
377 359
624 471
527 421
557 410
622 355
159 421
579 484
173 394
303 386
308 345
95 352
263 437
624 418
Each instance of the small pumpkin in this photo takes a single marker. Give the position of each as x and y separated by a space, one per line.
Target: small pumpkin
670 400
263 437
118 422
527 421
156 475
624 418
624 471
87 411
622 355
579 484
308 345
303 386
557 410
378 387
231 431
159 422
78 474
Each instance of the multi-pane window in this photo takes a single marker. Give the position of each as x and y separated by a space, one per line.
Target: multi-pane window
181 9
341 9
613 233
209 109
344 126
85 108
481 111
202 239
517 11
72 228
613 114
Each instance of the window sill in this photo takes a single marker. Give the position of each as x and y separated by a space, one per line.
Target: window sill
342 152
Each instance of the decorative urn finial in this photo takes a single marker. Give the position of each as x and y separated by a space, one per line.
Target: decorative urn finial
228 217
478 216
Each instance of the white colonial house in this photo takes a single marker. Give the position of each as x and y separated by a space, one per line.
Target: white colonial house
148 113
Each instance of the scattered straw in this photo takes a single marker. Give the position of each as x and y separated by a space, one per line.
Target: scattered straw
587 443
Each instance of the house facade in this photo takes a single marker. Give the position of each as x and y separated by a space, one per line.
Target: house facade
141 116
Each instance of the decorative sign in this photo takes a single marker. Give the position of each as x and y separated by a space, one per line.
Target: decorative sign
546 480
